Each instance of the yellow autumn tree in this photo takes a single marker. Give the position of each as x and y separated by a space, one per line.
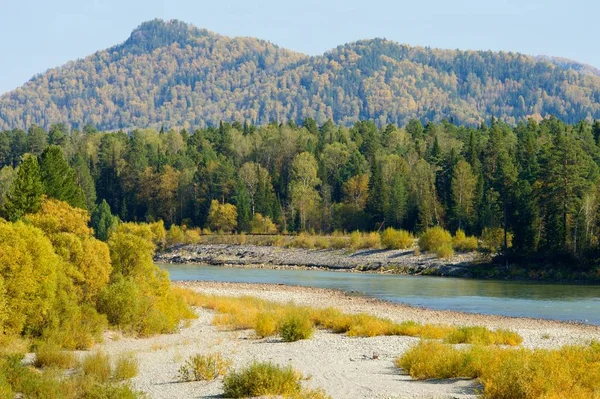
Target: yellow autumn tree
28 268
222 217
139 297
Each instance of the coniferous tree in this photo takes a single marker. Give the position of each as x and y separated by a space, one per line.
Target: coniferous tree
59 179
26 191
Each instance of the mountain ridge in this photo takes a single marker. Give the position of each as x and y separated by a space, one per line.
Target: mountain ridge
173 74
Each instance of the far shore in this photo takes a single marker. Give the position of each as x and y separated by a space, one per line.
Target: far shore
406 262
344 367
365 260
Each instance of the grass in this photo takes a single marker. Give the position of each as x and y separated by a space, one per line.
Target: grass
49 355
271 318
262 379
20 380
126 367
506 373
204 367
97 366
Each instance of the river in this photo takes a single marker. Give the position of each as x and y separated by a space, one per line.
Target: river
579 303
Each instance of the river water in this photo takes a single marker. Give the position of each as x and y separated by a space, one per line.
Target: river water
509 298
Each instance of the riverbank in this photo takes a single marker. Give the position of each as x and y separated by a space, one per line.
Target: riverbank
370 260
345 367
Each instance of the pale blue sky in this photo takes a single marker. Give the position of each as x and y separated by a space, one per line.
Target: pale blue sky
37 34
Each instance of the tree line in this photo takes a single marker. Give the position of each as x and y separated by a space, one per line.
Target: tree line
538 182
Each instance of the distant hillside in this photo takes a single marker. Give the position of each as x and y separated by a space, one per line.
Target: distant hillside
174 74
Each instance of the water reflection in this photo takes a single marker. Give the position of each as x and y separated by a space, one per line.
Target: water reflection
509 298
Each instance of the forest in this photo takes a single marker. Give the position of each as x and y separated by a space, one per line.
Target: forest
537 182
175 75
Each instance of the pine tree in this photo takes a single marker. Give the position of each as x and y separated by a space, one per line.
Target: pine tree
26 191
59 179
103 221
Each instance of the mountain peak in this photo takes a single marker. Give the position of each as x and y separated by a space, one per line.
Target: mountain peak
157 33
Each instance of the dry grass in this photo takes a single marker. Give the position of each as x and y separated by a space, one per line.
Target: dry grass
572 371
49 355
204 367
97 366
262 379
126 367
271 318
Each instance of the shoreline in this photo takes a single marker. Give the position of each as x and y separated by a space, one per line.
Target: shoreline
420 313
273 257
402 262
345 367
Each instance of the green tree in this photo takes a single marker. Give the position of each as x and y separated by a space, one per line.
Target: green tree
26 191
59 179
103 221
463 191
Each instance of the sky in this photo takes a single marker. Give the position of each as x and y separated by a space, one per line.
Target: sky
38 35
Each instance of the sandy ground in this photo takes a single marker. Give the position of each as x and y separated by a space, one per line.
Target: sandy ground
344 367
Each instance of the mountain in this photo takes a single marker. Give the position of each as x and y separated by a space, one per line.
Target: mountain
175 75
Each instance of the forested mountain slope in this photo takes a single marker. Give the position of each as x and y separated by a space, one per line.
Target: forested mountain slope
176 75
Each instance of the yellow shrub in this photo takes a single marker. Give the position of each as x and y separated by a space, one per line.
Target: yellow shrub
175 235
262 225
360 240
49 355
444 251
97 366
265 325
433 238
396 239
462 243
126 367
303 240
262 379
204 367
192 236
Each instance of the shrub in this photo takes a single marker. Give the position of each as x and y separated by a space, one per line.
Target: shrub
222 217
265 325
175 235
262 379
432 359
360 240
97 366
204 367
462 243
396 239
262 225
303 240
571 371
444 251
126 367
295 326
49 355
192 236
492 239
433 238
483 336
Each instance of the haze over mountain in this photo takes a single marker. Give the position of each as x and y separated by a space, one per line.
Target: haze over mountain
176 75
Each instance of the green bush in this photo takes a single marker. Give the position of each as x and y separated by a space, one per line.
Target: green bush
262 379
492 239
204 367
396 239
296 325
433 238
463 243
